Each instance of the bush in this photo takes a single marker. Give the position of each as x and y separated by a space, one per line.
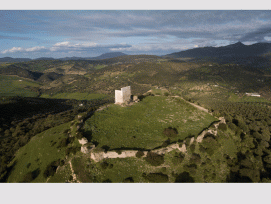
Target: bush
154 159
222 126
184 178
30 176
105 147
64 142
178 158
79 135
202 149
170 132
128 180
195 158
166 143
232 126
156 177
191 168
139 154
166 94
51 169
72 150
192 147
118 151
104 165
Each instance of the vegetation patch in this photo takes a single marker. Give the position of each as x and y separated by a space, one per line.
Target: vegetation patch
16 86
40 154
156 177
154 159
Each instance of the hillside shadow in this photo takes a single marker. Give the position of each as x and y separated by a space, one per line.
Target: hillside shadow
235 177
9 171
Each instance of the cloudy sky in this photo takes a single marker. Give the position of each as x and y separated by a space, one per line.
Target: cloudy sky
86 33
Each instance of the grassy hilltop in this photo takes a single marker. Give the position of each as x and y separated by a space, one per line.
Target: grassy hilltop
141 125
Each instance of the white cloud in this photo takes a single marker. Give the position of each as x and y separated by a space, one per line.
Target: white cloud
20 49
33 49
14 49
67 48
71 46
267 38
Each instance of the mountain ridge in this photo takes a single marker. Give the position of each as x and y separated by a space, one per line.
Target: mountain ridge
102 56
233 50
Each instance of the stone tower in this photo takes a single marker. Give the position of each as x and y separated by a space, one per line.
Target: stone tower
123 95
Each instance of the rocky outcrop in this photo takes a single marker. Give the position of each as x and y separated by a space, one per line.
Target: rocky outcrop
87 148
83 141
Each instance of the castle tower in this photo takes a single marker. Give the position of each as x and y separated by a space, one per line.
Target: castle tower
123 95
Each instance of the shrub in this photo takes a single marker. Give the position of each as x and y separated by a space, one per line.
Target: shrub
104 165
154 159
30 176
192 147
178 158
170 132
50 169
166 143
222 126
232 126
191 168
72 150
202 149
107 181
166 94
139 154
195 158
64 142
184 178
156 177
105 147
79 135
128 180
118 151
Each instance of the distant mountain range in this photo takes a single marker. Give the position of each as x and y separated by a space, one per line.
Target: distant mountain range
103 56
234 50
230 51
10 59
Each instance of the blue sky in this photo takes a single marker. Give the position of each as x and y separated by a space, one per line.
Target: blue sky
89 33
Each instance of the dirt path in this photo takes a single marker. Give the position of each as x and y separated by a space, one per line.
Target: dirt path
197 106
73 174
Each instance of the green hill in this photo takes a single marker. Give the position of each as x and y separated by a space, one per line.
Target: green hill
32 160
142 125
16 86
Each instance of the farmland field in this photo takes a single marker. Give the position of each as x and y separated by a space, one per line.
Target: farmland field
15 86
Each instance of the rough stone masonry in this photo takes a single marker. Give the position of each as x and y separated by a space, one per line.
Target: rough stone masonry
123 95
